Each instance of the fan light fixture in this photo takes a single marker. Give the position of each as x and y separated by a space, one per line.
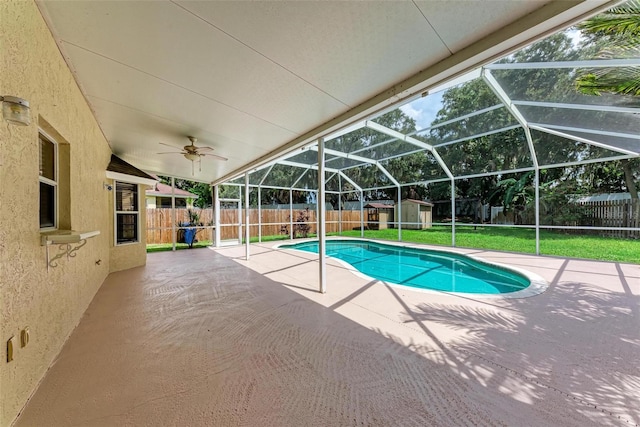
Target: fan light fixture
192 152
16 110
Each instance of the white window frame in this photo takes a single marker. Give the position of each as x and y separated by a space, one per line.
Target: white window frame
117 212
53 183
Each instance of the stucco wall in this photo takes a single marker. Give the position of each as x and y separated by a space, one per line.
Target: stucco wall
50 303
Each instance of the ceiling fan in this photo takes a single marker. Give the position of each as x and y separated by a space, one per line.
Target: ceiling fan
193 153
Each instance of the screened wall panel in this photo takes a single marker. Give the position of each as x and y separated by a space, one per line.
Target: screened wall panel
551 149
623 142
392 148
307 157
282 176
332 182
416 167
603 200
342 163
361 138
554 85
443 102
625 123
498 152
491 120
368 176
308 179
256 177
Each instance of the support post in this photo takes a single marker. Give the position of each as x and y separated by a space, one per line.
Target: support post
247 230
322 281
537 184
239 216
399 210
259 215
216 212
453 213
361 213
339 206
290 214
213 215
174 233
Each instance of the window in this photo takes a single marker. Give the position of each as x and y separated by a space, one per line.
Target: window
127 213
165 202
48 182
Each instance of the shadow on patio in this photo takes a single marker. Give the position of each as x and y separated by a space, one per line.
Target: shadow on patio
195 338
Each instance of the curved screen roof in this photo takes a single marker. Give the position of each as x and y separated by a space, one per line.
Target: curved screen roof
517 125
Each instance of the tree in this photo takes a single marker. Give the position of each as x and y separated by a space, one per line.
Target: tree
618 32
516 194
202 190
506 150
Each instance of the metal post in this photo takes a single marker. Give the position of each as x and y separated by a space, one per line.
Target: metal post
259 215
216 217
247 231
399 211
290 214
322 285
453 213
537 184
174 233
361 213
213 214
339 207
239 216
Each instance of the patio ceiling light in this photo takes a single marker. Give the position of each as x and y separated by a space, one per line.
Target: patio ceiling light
16 110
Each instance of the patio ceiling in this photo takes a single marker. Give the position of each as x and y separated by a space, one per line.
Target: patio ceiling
254 79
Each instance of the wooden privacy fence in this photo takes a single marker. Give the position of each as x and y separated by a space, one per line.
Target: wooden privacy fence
611 213
159 222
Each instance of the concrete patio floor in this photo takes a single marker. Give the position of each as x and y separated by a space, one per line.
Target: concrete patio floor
205 338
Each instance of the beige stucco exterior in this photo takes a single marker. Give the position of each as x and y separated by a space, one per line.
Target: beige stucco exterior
50 303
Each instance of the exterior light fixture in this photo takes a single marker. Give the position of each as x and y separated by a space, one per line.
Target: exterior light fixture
16 110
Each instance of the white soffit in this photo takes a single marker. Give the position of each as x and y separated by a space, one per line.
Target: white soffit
251 79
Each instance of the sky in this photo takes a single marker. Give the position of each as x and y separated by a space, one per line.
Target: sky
423 110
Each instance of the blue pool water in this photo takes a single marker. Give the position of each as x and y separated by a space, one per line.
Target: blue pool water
421 268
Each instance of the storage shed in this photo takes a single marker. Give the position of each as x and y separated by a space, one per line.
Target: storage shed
379 215
416 214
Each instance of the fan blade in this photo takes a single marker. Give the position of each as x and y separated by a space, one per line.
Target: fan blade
171 152
215 156
205 148
169 145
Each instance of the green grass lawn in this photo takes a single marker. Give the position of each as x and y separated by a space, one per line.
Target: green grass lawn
519 240
503 239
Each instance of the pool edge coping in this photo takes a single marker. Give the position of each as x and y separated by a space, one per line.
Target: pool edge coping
536 287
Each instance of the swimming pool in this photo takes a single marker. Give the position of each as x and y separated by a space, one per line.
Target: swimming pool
423 268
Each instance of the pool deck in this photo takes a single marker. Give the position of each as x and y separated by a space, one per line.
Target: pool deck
204 338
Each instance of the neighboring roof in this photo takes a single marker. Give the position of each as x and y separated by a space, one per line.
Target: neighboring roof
353 205
418 202
378 206
162 190
119 168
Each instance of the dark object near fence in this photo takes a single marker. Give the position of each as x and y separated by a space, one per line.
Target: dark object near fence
187 234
